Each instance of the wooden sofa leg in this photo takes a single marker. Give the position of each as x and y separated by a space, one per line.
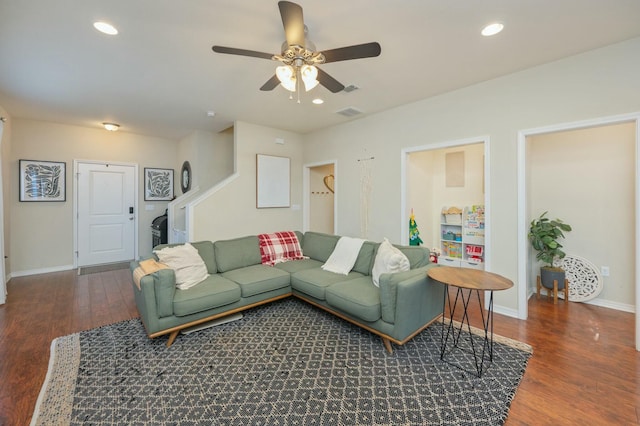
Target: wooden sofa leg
387 345
172 337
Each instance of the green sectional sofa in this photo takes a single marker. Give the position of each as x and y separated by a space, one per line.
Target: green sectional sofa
403 305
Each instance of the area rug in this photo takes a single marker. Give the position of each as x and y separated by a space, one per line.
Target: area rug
284 363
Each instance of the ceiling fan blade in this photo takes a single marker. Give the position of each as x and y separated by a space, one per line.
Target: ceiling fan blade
329 82
293 23
271 84
367 50
242 52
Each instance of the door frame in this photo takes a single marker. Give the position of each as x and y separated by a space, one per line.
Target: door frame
306 193
404 212
3 276
75 204
523 228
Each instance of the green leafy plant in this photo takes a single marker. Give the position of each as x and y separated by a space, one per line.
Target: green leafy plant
544 234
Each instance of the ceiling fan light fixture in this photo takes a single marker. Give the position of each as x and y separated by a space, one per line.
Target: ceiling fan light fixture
287 76
309 75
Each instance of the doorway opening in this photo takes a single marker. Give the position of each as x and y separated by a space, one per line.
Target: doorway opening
449 174
320 189
585 173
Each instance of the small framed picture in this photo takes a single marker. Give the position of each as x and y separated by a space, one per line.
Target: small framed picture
42 180
158 184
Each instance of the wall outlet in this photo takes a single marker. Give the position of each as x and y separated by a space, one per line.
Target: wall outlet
604 271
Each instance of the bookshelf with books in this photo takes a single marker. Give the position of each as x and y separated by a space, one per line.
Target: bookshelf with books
462 237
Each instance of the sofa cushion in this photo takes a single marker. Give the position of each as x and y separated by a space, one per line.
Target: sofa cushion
357 297
315 281
418 256
389 259
205 249
298 265
258 279
185 260
237 253
318 245
211 293
364 262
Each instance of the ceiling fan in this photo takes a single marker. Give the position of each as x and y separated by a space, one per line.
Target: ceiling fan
299 57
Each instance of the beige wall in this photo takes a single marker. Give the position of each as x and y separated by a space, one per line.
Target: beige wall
599 83
586 178
42 233
427 191
231 212
210 156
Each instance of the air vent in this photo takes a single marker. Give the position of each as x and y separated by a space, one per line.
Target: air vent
349 111
350 88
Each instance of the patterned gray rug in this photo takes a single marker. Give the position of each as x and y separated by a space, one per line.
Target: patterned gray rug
286 363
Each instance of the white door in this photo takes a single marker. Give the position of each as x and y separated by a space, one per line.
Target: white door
106 211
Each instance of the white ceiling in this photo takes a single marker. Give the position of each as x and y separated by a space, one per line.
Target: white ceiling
159 76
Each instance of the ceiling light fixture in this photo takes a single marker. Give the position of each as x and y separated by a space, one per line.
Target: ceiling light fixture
112 127
105 28
492 29
289 75
318 101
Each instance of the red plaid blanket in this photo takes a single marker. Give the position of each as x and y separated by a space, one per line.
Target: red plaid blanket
279 247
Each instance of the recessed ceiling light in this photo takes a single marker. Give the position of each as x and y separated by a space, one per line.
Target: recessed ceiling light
105 28
318 101
492 29
112 127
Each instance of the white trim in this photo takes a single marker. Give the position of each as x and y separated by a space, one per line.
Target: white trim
624 307
25 273
522 205
404 228
3 279
136 237
177 204
637 223
306 190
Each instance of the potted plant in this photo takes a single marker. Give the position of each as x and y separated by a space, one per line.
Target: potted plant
544 234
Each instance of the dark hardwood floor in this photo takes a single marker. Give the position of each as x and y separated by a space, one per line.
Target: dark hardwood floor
584 370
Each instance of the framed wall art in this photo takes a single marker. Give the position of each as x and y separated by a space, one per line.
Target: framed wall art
272 186
158 184
42 180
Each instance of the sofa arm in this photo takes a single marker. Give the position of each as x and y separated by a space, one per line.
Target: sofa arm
154 299
164 283
389 291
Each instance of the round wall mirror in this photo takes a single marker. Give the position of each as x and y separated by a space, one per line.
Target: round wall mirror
185 177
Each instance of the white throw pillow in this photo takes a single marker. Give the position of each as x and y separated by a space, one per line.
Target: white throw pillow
389 259
344 255
186 262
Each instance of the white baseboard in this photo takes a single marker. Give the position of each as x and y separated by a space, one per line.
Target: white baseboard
624 307
16 274
612 305
513 313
